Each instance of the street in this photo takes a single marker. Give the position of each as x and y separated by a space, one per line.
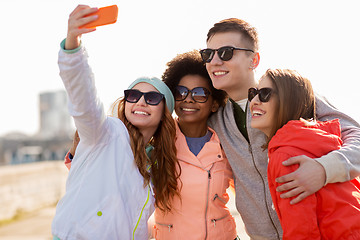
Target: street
37 225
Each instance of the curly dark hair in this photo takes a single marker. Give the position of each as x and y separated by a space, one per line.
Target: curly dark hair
190 63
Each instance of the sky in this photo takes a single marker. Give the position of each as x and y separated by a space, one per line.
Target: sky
320 39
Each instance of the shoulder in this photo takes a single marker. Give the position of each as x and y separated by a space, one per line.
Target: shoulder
223 114
117 126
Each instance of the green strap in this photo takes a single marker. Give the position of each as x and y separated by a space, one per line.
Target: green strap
240 119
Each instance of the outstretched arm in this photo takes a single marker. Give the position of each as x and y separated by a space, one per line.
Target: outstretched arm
78 78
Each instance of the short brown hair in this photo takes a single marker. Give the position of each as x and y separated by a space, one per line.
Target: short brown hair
248 32
296 97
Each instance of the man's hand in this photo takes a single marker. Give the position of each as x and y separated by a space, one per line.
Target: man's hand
306 180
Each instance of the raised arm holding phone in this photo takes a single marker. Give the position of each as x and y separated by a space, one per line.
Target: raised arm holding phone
124 165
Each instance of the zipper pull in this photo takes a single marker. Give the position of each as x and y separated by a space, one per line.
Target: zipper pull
209 174
216 195
169 226
214 221
151 188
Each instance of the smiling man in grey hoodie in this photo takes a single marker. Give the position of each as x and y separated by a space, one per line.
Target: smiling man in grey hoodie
231 57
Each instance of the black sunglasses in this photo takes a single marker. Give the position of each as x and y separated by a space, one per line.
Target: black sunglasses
264 94
198 94
151 98
224 53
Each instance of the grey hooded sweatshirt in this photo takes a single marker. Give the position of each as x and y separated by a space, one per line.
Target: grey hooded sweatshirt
249 164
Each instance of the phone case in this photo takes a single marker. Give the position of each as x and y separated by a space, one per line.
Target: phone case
107 15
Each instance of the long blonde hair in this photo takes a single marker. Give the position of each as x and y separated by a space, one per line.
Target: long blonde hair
163 160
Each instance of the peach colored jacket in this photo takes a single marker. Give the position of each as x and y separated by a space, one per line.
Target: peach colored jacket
201 213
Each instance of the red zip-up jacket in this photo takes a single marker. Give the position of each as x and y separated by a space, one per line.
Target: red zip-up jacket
331 213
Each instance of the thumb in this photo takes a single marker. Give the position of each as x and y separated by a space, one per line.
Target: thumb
292 161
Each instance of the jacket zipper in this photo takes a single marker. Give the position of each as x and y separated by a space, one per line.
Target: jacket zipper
169 226
142 210
217 197
207 199
264 189
218 219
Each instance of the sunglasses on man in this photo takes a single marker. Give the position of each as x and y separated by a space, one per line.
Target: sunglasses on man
151 98
264 94
224 53
198 94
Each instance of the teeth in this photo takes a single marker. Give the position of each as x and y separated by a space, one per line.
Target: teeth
257 113
189 109
219 73
140 112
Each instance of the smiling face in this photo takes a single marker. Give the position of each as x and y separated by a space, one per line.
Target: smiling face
235 76
264 113
191 112
142 115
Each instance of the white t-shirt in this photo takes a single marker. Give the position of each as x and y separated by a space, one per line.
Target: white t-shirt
242 103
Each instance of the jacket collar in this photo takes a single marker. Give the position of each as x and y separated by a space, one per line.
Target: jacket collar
209 154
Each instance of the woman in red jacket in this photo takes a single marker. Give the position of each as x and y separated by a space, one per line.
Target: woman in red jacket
279 106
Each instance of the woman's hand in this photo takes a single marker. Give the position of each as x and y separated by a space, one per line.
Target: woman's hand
76 141
78 18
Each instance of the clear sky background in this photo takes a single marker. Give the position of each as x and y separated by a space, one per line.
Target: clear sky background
320 39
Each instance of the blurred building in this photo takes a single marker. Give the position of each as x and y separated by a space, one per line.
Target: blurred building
54 116
52 140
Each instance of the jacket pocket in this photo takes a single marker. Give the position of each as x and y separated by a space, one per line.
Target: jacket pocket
218 198
223 227
164 231
222 175
216 220
101 221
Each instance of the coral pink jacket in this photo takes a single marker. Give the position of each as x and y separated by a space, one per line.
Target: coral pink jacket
201 213
331 213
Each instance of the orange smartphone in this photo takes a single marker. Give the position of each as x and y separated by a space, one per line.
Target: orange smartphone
106 15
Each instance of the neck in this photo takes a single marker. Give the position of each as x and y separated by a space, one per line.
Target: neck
193 130
147 135
241 92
